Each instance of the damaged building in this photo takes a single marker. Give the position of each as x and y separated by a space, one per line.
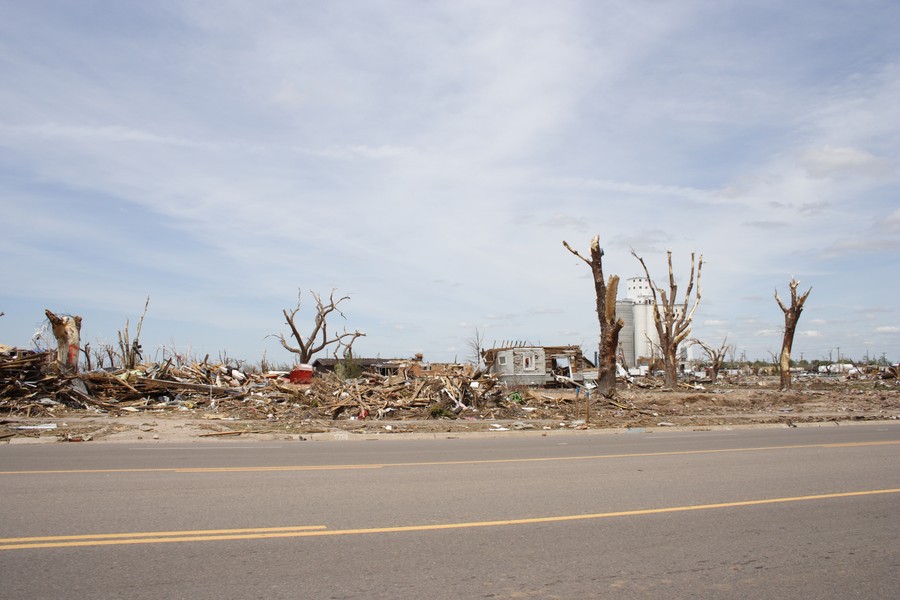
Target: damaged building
537 365
413 367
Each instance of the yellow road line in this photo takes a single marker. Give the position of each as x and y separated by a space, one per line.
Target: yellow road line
142 538
160 534
283 468
447 462
196 469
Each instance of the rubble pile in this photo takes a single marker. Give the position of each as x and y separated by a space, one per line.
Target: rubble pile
38 397
28 384
31 386
399 398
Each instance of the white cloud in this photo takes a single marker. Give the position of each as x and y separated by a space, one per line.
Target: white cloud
652 190
830 162
429 158
95 134
567 222
767 332
869 245
545 311
890 223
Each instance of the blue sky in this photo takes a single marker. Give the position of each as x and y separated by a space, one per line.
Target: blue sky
429 158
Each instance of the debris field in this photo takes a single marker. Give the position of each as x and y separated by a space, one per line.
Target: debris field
37 399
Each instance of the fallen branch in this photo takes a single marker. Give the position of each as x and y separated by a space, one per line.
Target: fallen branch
618 404
235 432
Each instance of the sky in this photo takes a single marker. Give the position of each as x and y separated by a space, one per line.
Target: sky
428 158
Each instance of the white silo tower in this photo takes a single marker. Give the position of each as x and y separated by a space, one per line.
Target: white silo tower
645 335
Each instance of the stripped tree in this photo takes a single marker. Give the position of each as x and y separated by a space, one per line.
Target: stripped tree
791 316
610 326
475 345
716 356
318 338
130 350
673 321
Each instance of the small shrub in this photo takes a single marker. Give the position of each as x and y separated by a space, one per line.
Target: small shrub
439 411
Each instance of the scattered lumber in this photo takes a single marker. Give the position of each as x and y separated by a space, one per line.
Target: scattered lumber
31 385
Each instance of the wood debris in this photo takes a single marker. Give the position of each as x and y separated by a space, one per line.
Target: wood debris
35 392
31 386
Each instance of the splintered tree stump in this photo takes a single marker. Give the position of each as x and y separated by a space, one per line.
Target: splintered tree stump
67 331
791 316
610 324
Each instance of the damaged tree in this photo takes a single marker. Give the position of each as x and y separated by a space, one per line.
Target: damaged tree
716 356
67 331
130 351
791 316
318 338
673 321
610 326
475 345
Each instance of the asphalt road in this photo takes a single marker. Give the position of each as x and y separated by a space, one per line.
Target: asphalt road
755 513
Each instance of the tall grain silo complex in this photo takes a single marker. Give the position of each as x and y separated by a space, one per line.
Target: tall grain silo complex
638 337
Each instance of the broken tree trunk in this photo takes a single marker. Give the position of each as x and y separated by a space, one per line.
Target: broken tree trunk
610 325
791 316
67 331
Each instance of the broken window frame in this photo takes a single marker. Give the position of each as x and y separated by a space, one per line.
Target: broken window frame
529 362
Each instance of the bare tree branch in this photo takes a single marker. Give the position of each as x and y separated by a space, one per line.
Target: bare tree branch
476 344
318 338
716 355
673 325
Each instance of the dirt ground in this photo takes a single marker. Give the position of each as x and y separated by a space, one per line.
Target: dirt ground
756 402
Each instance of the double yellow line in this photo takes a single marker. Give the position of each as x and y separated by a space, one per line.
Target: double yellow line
155 537
161 537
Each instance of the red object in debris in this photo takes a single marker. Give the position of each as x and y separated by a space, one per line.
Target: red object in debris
73 354
301 374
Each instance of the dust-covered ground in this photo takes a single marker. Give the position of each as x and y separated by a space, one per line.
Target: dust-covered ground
756 401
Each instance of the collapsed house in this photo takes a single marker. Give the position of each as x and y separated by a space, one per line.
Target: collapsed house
407 367
380 366
538 365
